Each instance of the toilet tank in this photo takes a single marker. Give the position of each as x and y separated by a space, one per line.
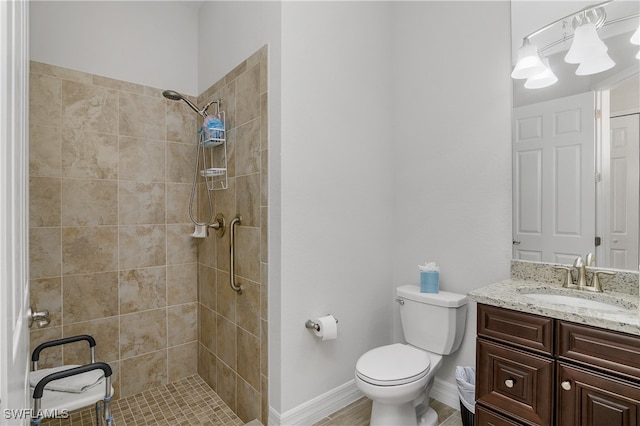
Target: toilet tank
434 322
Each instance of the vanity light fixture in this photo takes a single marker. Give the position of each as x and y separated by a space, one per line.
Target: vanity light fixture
586 45
587 49
529 63
635 39
595 64
543 79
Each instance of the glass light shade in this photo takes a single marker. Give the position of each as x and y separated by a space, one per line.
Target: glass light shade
529 63
544 79
635 38
595 65
586 44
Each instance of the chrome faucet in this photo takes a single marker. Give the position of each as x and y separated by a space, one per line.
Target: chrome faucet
580 265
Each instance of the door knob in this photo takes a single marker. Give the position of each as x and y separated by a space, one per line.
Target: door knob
509 383
516 242
40 317
566 385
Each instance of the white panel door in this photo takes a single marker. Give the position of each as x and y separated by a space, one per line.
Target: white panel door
623 226
554 179
14 232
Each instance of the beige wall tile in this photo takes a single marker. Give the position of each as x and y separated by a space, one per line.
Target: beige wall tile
44 201
88 297
49 357
141 159
207 327
181 159
143 332
248 95
141 246
182 283
264 234
182 361
89 202
45 151
207 249
248 253
249 357
104 330
44 252
178 198
207 286
249 403
89 249
264 348
226 384
89 108
248 310
46 294
247 148
143 372
182 324
226 343
181 247
114 275
207 366
45 100
142 116
141 203
89 155
226 297
111 83
182 123
63 73
248 199
264 178
142 289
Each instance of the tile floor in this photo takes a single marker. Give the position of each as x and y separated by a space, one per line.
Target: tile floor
191 402
359 413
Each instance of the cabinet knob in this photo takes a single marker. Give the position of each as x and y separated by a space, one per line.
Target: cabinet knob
508 383
566 385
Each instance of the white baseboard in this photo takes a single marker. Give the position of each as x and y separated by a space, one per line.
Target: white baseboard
317 408
329 402
446 393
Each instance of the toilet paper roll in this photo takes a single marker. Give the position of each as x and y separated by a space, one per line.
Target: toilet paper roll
328 327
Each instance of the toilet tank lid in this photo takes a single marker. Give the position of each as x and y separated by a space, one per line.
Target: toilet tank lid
443 298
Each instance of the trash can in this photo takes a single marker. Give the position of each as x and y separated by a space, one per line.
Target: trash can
466 380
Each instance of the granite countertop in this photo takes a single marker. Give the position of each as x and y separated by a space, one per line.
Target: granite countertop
512 294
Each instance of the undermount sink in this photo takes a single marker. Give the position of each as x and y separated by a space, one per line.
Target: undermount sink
577 302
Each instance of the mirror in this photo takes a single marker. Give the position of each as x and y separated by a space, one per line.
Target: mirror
576 183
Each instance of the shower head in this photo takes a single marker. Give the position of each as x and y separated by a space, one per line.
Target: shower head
175 96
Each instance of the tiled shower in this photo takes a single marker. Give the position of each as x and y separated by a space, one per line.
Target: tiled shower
111 167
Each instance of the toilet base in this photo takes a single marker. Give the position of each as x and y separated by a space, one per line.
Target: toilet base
430 418
393 414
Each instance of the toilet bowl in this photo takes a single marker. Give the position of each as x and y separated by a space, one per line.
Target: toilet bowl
395 377
398 377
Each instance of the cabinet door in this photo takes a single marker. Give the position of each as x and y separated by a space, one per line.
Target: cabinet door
485 417
515 382
586 398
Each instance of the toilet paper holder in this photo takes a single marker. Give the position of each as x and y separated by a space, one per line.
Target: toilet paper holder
313 325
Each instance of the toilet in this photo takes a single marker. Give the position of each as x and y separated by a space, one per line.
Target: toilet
398 377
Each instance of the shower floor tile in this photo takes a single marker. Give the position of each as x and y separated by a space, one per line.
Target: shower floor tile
189 401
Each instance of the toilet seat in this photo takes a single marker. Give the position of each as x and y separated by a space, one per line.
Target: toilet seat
393 365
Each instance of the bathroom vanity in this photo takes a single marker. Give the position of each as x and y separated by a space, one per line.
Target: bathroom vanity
541 362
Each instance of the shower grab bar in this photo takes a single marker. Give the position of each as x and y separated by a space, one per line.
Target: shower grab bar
232 243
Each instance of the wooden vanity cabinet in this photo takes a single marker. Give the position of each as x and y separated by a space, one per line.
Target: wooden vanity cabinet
535 370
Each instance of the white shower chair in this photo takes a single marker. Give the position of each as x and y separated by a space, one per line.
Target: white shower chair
81 386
